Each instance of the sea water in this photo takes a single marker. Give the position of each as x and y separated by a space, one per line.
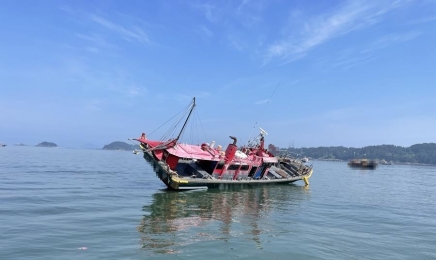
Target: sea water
58 203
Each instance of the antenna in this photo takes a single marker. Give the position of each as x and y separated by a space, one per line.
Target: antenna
263 132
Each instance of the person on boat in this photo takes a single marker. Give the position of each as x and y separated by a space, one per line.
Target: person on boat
142 136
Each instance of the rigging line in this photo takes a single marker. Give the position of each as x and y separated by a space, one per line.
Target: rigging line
191 133
187 134
195 135
202 128
274 92
263 110
184 109
195 129
251 134
187 118
175 123
172 131
181 132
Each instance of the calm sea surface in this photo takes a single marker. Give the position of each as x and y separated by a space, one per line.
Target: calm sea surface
58 203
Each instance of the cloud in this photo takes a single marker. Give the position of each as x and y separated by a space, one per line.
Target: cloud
203 94
200 95
391 39
92 49
235 42
423 20
130 34
249 12
243 3
208 10
94 104
95 39
135 91
294 58
67 9
261 102
354 56
206 31
354 15
183 98
347 62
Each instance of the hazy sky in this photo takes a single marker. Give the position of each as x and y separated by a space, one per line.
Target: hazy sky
316 73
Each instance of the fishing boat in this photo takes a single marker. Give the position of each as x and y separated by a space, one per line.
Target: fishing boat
363 163
184 166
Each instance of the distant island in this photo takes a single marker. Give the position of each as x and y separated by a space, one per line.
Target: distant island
47 144
416 154
424 154
118 145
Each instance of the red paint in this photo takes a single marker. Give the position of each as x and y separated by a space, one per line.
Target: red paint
255 155
172 161
230 153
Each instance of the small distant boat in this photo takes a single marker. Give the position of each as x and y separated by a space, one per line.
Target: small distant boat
384 162
363 163
2 145
305 159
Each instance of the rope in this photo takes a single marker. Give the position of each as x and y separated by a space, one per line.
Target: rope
170 119
201 124
173 131
263 111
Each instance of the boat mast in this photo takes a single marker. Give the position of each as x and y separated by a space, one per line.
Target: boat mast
186 121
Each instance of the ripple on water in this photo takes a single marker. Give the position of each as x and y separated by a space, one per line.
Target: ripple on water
111 203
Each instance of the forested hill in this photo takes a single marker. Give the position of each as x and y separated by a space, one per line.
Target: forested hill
419 153
118 145
47 144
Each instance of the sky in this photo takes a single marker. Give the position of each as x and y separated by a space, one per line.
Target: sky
311 73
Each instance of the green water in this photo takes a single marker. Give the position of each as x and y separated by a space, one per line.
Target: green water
89 204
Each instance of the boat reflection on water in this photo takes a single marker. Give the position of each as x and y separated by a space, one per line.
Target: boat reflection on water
175 220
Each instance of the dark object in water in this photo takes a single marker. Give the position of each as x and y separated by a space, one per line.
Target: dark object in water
363 163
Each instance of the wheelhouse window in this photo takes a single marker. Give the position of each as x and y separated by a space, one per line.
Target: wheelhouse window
220 166
233 167
244 167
